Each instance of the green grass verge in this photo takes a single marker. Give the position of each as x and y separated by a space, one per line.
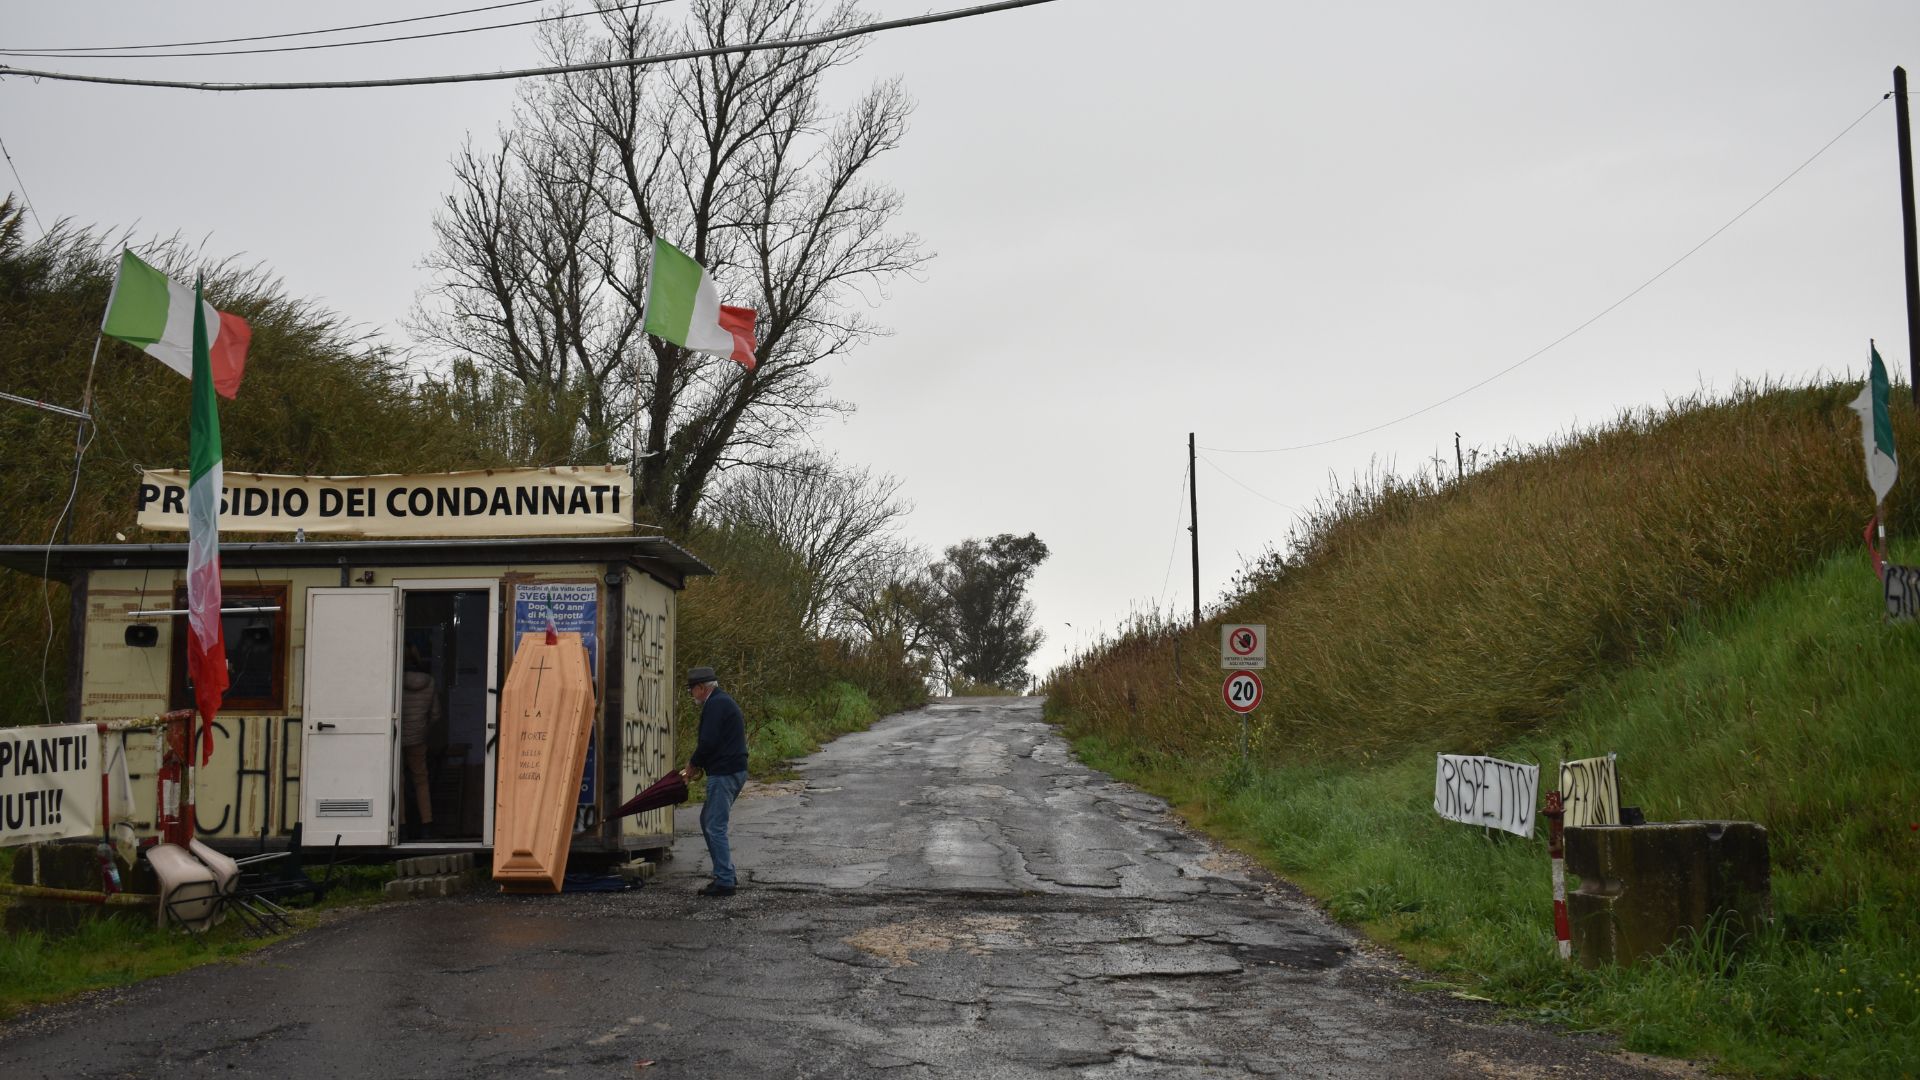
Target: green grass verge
1795 710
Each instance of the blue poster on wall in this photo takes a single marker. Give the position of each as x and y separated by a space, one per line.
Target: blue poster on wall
573 609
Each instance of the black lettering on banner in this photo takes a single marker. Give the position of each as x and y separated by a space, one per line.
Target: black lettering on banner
1592 790
474 501
447 501
357 500
331 502
394 509
420 502
577 504
1903 593
253 502
149 494
171 500
501 506
600 497
526 500
295 504
552 500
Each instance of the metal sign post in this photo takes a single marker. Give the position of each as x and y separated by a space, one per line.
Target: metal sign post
1243 651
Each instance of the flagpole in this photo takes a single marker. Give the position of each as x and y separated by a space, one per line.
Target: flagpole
646 300
80 432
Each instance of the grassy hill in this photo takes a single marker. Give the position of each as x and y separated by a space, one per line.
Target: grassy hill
1686 588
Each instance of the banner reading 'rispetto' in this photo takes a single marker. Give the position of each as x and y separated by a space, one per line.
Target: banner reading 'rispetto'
569 500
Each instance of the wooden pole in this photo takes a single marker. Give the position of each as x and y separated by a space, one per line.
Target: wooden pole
1904 132
1193 510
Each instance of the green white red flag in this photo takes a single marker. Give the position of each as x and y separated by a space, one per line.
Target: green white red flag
206 639
683 306
1876 429
149 309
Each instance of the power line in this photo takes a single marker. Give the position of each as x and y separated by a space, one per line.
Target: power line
529 73
345 44
1249 490
24 197
1173 548
1604 312
50 49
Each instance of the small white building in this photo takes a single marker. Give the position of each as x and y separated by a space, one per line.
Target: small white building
319 639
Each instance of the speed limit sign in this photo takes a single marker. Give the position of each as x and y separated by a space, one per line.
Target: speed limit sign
1242 691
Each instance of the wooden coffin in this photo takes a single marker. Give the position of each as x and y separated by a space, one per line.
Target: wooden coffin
546 718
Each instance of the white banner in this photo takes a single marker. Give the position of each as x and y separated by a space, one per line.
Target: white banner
49 783
568 500
1486 791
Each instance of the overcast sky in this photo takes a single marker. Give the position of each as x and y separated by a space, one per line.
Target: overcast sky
1266 223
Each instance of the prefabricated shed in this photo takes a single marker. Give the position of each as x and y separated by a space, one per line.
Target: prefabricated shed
334 648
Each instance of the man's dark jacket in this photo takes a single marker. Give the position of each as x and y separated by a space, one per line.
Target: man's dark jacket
722 749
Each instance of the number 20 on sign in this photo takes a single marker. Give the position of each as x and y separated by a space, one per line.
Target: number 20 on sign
1242 691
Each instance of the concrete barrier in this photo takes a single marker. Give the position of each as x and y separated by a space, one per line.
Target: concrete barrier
1644 887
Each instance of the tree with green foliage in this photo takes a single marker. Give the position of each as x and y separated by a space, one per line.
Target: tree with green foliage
986 626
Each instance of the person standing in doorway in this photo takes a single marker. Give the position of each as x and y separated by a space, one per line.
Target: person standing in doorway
722 754
419 711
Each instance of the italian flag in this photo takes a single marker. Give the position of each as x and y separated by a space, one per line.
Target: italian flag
684 307
206 640
151 310
1876 429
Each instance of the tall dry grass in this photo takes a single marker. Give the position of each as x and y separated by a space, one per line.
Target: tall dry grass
1415 614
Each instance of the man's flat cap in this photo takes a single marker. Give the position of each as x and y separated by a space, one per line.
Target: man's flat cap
696 676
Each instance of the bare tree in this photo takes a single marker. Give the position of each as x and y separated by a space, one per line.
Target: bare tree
541 265
842 523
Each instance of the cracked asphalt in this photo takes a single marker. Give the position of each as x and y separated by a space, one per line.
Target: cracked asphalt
947 895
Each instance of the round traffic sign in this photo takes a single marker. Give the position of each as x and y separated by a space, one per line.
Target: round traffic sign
1243 641
1242 691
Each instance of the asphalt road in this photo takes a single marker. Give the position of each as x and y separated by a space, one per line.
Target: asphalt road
947 895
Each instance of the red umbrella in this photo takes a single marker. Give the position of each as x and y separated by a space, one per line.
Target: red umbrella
669 790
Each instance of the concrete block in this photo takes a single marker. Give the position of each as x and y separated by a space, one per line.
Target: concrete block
1644 887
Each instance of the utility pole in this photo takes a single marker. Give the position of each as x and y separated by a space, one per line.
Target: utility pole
1904 131
1193 510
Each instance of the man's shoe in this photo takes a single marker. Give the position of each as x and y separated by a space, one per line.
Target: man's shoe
714 888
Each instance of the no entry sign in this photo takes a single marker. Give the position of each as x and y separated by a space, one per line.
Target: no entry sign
1242 691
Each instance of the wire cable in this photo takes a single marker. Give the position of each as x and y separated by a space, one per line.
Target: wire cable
24 197
50 49
46 577
344 44
1249 490
530 73
1173 548
1604 312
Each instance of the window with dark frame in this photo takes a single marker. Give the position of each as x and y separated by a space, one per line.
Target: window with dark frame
256 648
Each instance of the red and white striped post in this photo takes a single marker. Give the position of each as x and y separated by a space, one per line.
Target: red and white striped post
1557 851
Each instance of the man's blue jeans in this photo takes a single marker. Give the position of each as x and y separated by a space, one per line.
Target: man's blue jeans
721 791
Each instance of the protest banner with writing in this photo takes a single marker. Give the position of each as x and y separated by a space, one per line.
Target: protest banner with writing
1486 791
49 783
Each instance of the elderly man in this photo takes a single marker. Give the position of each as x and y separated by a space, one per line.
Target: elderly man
722 754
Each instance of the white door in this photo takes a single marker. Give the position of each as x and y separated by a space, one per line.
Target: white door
352 717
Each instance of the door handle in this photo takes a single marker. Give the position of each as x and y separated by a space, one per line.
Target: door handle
322 725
